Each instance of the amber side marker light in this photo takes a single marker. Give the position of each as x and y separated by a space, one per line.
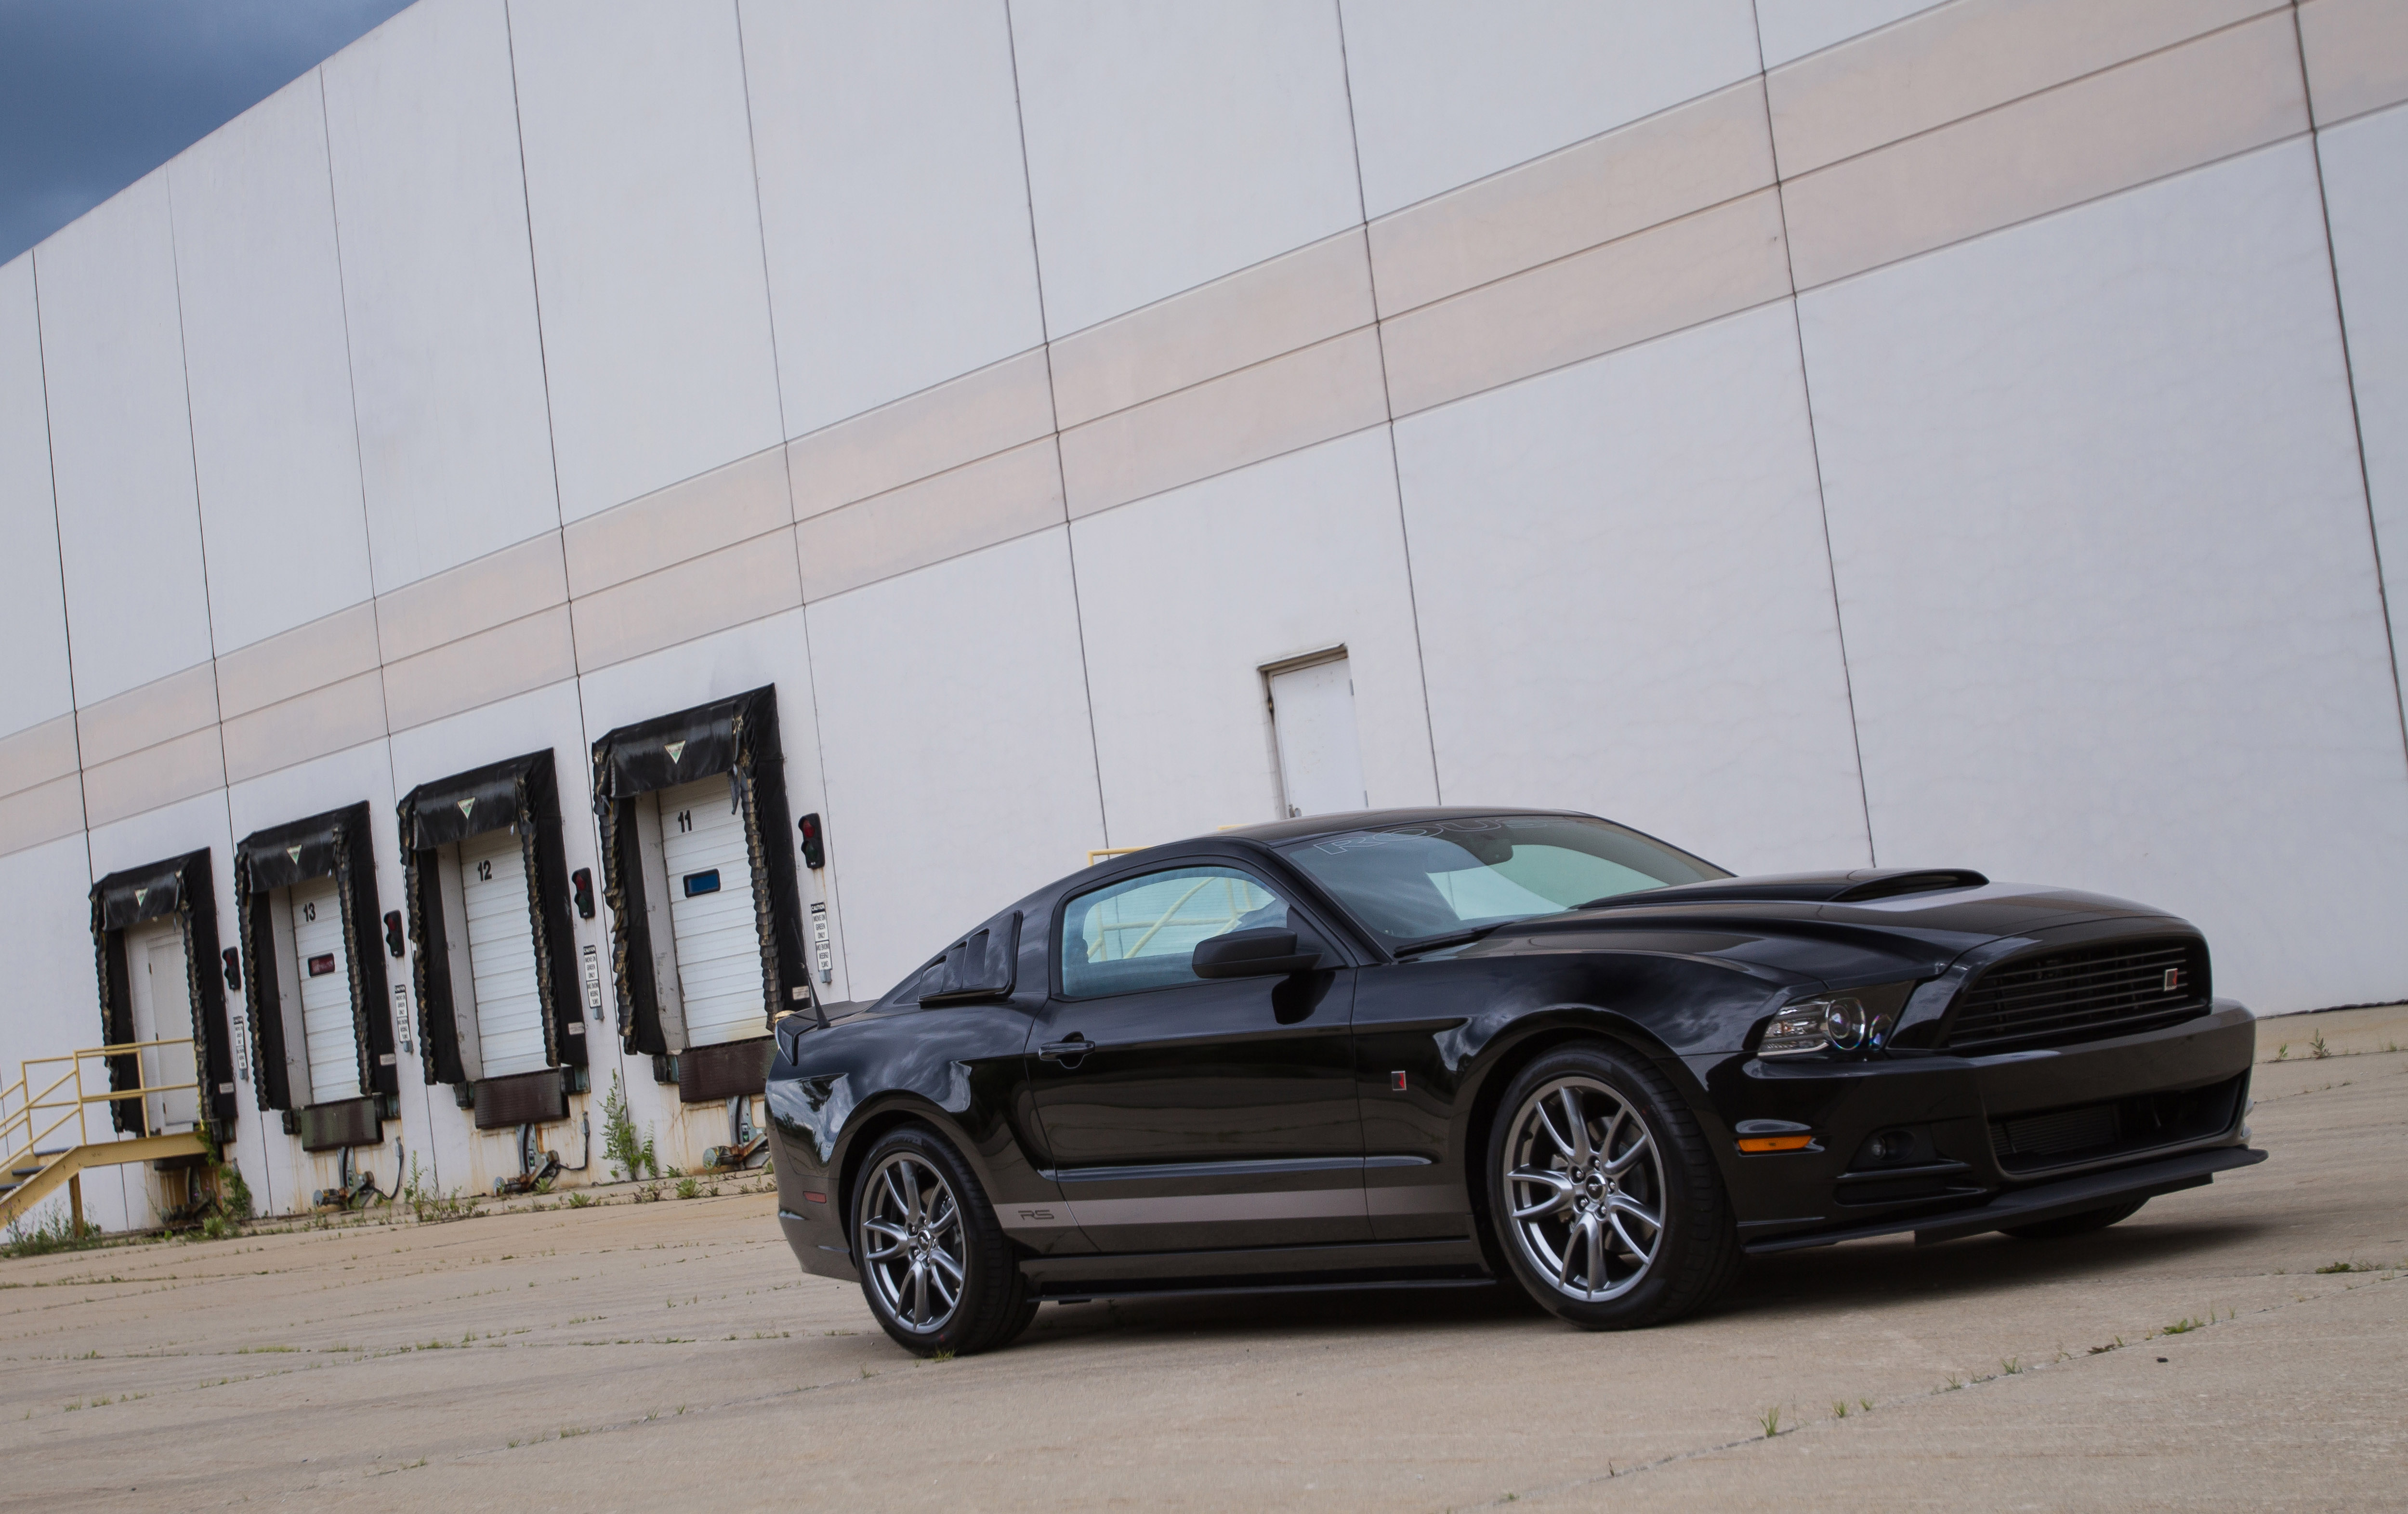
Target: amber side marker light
1758 1145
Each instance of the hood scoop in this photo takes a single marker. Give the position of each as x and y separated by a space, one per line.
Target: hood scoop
1862 886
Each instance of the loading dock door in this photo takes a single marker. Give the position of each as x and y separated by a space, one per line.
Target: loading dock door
323 968
162 1000
501 956
710 911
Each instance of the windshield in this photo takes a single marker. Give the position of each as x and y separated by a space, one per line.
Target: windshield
1441 876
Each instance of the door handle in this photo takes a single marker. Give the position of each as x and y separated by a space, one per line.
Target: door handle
1068 1052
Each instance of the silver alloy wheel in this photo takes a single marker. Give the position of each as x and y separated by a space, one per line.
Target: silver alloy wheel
911 1242
1585 1189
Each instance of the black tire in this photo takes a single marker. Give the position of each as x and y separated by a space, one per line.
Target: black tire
1694 1252
2077 1224
989 1302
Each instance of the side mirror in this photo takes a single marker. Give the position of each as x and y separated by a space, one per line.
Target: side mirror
1262 953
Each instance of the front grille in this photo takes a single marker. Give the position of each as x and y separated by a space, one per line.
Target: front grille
2084 994
2138 1122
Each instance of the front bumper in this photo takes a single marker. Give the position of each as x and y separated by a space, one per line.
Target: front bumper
2042 1201
2172 1102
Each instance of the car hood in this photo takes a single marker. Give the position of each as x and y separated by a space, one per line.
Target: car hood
1855 926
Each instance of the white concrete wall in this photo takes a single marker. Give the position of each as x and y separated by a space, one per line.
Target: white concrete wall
2103 558
893 206
34 678
268 370
121 444
438 285
647 243
1009 385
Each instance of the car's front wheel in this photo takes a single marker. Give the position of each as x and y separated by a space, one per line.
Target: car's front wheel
1607 1204
934 1265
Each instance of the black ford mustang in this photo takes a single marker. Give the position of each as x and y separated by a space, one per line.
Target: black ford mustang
1455 1046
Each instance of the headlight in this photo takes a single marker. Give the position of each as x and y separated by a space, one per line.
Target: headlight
1836 1023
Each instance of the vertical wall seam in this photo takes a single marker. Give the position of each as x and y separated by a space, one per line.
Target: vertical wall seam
2349 379
1388 406
1053 417
59 548
794 531
208 610
367 535
1815 444
559 510
352 377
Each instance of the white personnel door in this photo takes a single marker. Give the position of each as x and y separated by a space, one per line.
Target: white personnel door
501 955
162 1001
1313 715
710 912
324 972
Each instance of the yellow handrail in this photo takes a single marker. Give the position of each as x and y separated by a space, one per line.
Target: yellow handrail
19 1135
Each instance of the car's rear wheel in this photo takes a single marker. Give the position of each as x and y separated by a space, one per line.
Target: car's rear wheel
1606 1202
2077 1224
934 1265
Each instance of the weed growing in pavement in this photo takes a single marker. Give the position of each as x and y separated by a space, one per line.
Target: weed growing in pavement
2184 1326
2316 1047
1839 1408
1770 1420
2011 1365
2347 1266
1951 1385
2283 1052
1866 1405
56 1233
628 1155
648 1192
580 1200
941 1356
688 1188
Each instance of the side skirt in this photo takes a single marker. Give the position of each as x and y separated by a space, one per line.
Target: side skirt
1265 1269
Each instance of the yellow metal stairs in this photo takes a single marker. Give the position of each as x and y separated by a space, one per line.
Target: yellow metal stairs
46 1139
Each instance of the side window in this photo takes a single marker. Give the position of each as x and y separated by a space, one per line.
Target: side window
1138 933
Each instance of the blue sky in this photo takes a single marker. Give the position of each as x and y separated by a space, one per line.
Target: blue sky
94 94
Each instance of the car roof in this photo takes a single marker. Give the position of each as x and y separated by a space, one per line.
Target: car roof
1276 832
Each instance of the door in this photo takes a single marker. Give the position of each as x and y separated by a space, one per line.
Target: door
323 971
1183 1113
162 995
501 956
1313 716
710 912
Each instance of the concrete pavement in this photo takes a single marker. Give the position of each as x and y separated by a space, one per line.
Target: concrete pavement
670 1354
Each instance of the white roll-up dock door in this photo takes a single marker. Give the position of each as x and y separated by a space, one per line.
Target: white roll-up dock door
718 939
501 956
322 970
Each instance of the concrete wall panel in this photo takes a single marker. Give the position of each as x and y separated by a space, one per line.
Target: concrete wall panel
2366 188
1446 91
1168 145
455 445
1625 604
894 210
121 444
2111 611
1792 28
927 844
1184 596
647 243
269 367
34 683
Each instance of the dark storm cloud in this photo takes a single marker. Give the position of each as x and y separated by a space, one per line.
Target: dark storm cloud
94 94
